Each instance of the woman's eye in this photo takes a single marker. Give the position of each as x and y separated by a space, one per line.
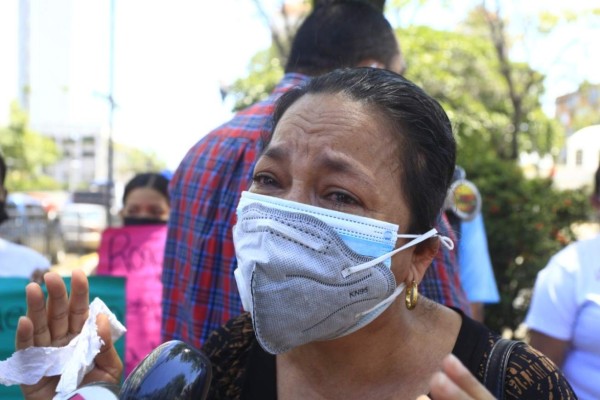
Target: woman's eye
264 180
156 212
132 211
343 198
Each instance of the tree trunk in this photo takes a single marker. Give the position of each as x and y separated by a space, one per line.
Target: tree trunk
498 36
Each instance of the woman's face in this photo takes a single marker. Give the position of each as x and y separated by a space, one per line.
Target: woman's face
332 152
145 202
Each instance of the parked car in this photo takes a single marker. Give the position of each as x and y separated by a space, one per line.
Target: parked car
82 226
30 225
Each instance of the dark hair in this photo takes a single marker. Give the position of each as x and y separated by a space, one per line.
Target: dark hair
2 170
427 148
150 180
341 34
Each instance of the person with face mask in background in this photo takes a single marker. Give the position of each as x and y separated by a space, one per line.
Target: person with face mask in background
17 261
146 200
135 251
332 239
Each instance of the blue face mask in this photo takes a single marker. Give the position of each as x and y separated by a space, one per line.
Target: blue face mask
365 236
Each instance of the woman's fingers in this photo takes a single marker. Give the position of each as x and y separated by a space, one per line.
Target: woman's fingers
24 336
36 312
456 382
108 364
58 308
60 317
463 378
442 388
54 322
78 302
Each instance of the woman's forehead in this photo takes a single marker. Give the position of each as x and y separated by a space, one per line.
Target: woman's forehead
144 194
329 130
323 113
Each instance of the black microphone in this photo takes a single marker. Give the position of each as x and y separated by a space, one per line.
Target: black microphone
174 370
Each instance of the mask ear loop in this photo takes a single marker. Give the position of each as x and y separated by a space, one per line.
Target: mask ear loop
390 299
446 242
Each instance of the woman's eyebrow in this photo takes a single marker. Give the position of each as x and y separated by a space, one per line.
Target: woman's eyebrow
336 164
276 153
345 166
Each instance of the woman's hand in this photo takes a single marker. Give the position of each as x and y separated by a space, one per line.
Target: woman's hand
455 382
53 323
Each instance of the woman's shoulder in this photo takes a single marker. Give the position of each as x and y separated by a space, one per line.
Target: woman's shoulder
228 349
529 374
532 375
230 337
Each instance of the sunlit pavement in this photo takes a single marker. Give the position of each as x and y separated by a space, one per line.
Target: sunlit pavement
72 261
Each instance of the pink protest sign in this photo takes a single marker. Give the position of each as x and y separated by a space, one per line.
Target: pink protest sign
136 253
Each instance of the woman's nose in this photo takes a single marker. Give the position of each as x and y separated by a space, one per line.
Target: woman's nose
145 214
299 194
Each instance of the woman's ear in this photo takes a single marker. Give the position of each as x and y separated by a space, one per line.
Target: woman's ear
422 258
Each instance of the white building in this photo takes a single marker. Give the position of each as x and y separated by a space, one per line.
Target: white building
84 156
582 158
583 149
61 92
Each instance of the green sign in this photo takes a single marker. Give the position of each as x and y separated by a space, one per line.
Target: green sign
111 290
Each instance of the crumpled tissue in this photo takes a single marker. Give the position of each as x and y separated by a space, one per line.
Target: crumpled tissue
72 362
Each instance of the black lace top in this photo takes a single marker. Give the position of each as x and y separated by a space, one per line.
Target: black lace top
243 370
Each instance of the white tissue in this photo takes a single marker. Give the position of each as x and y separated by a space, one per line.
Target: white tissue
72 361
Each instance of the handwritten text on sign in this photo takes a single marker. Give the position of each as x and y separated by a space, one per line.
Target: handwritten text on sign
136 252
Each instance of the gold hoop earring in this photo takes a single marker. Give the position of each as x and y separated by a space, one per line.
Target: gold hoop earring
412 296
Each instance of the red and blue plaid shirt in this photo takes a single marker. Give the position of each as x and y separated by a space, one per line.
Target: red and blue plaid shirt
200 293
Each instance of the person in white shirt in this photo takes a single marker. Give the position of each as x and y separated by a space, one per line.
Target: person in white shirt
564 316
17 260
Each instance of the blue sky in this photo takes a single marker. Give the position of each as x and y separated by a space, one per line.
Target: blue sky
171 55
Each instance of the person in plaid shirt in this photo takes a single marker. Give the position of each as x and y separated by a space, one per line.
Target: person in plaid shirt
200 292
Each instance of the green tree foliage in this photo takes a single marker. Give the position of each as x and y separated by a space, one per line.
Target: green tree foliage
588 111
264 71
527 220
130 161
27 154
462 72
548 21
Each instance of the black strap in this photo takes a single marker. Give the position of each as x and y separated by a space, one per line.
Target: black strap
495 368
